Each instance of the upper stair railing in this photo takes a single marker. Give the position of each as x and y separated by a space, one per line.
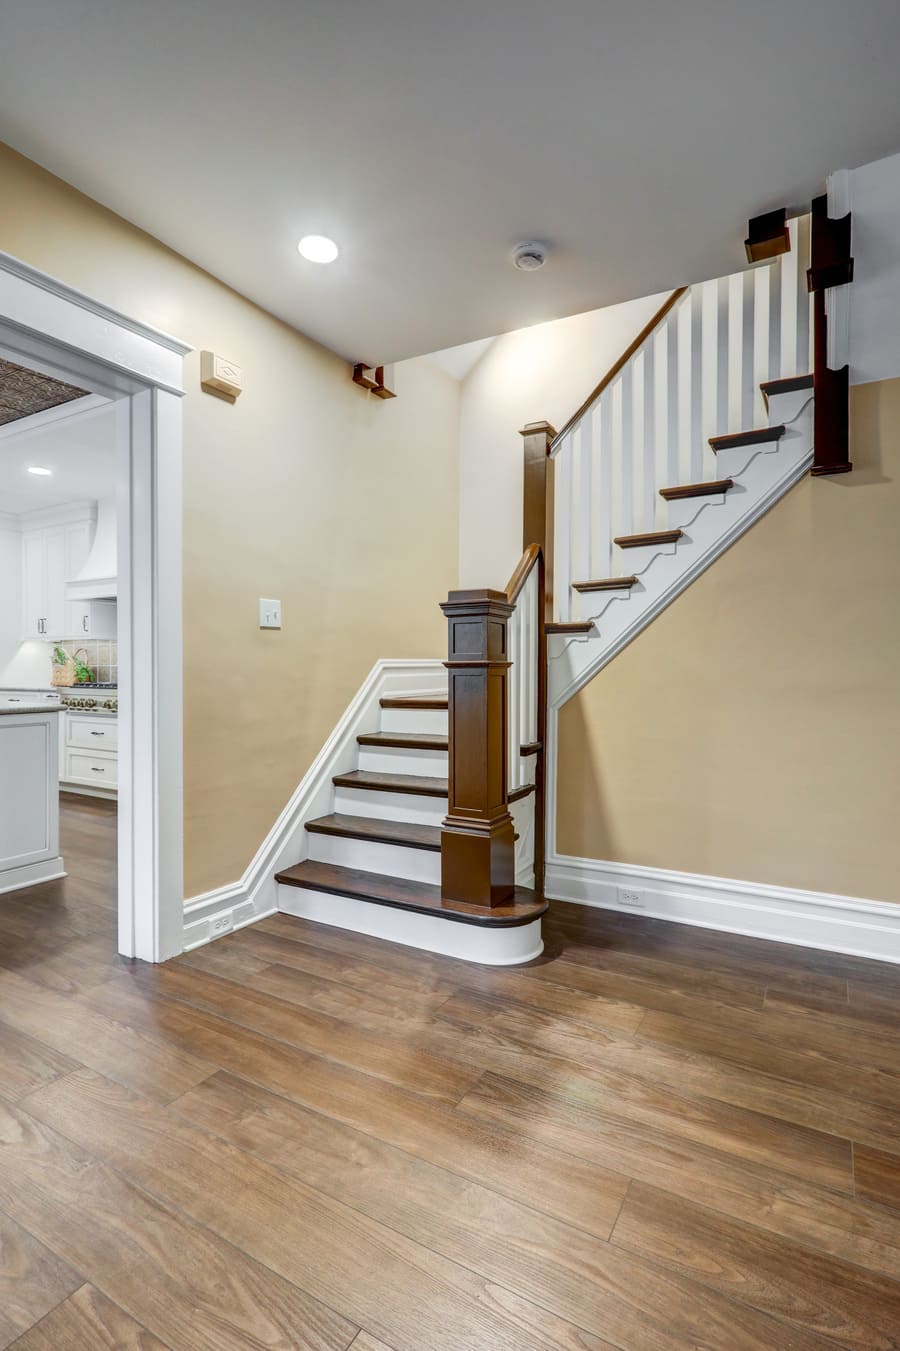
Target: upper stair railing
694 372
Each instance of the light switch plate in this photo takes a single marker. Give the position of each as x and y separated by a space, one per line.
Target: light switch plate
270 614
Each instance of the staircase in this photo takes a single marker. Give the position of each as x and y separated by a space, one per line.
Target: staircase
374 862
435 836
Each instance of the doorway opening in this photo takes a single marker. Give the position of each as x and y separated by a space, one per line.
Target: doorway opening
90 616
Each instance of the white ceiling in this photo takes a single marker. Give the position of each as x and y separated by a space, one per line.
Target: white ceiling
79 448
636 137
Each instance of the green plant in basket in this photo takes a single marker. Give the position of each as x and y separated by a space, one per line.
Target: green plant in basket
83 673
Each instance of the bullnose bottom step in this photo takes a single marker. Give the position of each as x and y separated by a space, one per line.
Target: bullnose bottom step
402 894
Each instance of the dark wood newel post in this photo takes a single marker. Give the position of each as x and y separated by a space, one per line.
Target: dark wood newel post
537 517
477 839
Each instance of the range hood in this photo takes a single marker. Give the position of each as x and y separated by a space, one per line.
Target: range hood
98 579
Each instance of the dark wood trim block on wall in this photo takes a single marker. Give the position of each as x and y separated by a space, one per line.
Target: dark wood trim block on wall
831 265
477 838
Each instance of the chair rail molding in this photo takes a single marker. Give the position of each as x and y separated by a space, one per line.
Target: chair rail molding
255 894
52 327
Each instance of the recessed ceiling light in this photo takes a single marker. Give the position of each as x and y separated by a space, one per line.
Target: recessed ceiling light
40 471
318 249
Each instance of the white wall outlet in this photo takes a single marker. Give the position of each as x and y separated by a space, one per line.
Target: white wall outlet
222 924
270 614
633 899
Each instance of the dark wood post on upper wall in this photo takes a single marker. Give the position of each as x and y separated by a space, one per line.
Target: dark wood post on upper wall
477 838
831 265
537 517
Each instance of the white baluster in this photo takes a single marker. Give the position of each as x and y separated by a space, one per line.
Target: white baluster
626 383
790 272
617 523
603 554
671 342
761 288
774 324
563 532
734 422
661 422
695 463
651 486
748 392
804 299
581 562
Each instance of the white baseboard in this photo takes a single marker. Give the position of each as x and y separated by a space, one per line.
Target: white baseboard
32 874
255 895
430 933
813 919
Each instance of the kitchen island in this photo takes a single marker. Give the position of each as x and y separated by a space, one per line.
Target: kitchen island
29 792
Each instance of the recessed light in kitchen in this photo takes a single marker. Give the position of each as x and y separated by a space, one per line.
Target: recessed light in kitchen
317 249
40 471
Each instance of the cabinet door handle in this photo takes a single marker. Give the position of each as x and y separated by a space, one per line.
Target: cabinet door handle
98 734
84 623
95 770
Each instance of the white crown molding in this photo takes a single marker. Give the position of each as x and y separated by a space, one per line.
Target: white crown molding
61 290
37 422
814 919
255 895
67 514
9 521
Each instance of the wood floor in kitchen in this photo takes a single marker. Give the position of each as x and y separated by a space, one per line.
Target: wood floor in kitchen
654 1137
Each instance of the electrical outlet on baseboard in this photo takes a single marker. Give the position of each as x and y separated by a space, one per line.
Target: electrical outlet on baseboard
633 899
222 924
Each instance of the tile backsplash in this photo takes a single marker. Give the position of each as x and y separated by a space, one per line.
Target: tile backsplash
101 656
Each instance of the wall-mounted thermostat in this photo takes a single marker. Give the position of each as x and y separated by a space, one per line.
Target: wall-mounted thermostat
219 376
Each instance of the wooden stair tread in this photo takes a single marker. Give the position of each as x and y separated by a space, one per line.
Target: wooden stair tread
736 439
405 833
523 790
403 894
425 785
714 486
606 584
413 701
426 741
654 537
578 626
787 385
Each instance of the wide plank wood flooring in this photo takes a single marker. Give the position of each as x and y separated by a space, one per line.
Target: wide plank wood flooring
653 1137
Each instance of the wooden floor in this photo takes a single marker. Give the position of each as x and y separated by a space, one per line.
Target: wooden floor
654 1137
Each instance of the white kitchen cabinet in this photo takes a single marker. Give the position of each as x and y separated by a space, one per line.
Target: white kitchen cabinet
90 756
92 618
50 556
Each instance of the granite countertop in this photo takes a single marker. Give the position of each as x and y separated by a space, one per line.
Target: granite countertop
9 709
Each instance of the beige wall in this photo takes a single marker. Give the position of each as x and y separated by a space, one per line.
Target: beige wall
342 506
753 730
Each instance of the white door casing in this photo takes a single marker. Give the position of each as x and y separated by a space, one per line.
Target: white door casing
49 326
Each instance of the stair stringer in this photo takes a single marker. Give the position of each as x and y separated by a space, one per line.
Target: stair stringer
762 474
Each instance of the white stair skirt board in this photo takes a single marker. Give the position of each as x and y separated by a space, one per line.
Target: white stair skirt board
762 474
255 895
470 942
812 919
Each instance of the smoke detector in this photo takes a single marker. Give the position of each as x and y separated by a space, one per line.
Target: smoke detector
529 257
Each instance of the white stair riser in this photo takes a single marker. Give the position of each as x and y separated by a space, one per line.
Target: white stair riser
372 856
403 760
414 807
414 720
434 933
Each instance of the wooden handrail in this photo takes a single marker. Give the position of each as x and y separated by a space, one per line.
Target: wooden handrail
618 365
522 572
